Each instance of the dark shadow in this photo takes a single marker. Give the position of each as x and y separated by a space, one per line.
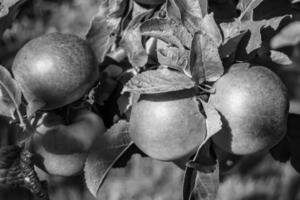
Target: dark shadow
226 141
169 96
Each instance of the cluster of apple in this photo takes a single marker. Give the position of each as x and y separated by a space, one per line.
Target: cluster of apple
252 103
58 69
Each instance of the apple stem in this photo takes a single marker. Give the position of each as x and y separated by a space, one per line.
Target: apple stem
206 88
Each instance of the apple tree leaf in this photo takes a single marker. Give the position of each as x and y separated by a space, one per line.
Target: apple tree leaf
213 119
192 11
167 30
10 93
105 26
171 56
173 10
132 41
205 62
8 12
280 58
246 7
158 81
288 36
210 27
201 179
105 153
244 24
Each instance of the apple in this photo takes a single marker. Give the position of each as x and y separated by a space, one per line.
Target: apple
167 126
62 149
55 69
253 105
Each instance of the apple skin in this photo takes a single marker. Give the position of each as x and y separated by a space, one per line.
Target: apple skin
62 149
253 105
167 126
55 69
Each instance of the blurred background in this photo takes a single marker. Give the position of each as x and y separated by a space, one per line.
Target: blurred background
256 177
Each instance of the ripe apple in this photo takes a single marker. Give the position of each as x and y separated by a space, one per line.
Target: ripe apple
55 69
253 105
167 126
62 149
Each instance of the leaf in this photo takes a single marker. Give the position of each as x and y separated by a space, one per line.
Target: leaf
158 81
237 27
210 27
213 119
10 94
171 56
243 24
197 68
205 61
288 36
192 12
280 58
230 47
168 30
104 153
8 12
201 180
132 41
105 25
173 10
246 7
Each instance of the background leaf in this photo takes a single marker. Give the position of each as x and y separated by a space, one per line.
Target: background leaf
10 94
104 153
280 58
288 36
246 7
105 25
8 12
243 24
158 81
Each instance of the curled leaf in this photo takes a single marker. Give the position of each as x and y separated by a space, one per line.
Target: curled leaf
158 81
168 30
10 93
171 56
213 119
205 61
